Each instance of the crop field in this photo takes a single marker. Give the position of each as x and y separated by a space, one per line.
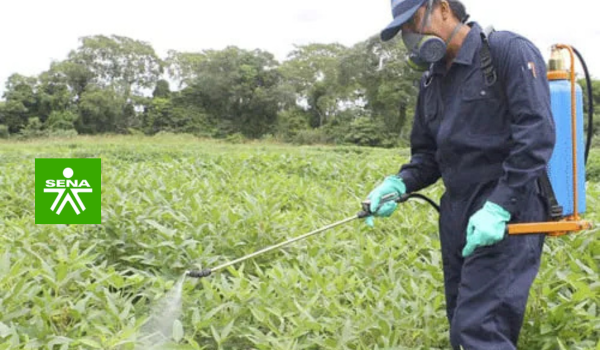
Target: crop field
173 203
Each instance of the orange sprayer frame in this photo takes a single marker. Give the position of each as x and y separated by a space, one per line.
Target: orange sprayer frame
572 223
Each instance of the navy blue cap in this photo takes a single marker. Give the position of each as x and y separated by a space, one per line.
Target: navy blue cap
402 11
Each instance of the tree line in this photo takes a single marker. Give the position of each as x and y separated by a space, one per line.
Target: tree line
322 93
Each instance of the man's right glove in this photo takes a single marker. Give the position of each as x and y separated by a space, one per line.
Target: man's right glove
391 184
486 227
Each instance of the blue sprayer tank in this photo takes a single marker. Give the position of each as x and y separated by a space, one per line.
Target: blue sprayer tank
560 168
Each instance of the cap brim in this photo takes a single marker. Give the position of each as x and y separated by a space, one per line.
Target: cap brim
393 28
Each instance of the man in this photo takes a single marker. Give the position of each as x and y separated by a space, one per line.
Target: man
483 124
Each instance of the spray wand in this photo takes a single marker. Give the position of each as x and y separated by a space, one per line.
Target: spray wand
366 211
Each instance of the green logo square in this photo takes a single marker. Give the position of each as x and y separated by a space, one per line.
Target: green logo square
67 191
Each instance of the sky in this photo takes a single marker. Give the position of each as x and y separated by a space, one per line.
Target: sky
33 33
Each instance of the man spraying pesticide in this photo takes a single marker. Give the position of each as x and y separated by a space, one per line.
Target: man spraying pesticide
506 137
485 124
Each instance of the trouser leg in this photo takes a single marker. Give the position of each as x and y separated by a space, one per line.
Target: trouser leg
492 293
452 272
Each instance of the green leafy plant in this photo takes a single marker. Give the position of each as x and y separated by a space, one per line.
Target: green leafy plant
172 203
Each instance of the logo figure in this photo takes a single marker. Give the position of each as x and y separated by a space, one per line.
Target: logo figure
57 188
62 186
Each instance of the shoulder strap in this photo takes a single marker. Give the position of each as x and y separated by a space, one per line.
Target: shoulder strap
487 63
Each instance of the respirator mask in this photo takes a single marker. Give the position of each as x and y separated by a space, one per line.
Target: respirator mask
425 49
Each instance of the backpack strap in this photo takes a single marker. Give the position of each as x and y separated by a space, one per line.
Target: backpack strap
487 63
555 210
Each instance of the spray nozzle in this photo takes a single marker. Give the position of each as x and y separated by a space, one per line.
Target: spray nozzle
198 273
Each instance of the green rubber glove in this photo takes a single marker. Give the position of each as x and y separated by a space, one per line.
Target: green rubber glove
391 184
486 227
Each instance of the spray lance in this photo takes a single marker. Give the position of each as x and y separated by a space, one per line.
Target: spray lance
365 212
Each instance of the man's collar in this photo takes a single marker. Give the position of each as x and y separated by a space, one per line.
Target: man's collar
467 50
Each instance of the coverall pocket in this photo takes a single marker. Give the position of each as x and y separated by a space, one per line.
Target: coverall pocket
481 109
498 248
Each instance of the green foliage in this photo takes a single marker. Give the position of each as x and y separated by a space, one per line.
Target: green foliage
125 64
595 125
236 138
312 137
364 132
99 110
63 133
162 89
54 94
290 122
595 93
356 127
61 120
157 115
175 115
15 115
385 80
196 204
238 89
184 67
596 139
20 102
593 166
312 70
76 75
33 129
322 93
193 204
3 131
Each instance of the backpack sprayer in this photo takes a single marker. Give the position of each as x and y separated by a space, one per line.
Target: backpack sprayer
563 185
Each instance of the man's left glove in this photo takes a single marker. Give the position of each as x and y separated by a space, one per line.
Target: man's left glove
486 227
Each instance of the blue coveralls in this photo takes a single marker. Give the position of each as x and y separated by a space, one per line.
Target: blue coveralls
486 143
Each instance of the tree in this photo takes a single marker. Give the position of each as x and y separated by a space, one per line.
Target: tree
99 110
183 67
313 72
162 89
176 114
61 120
596 103
21 103
54 95
15 115
129 66
239 90
75 75
2 117
385 80
157 116
595 92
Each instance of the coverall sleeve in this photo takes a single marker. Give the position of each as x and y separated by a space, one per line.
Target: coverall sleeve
523 74
423 169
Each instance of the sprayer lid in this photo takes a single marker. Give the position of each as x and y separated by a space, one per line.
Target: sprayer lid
558 75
